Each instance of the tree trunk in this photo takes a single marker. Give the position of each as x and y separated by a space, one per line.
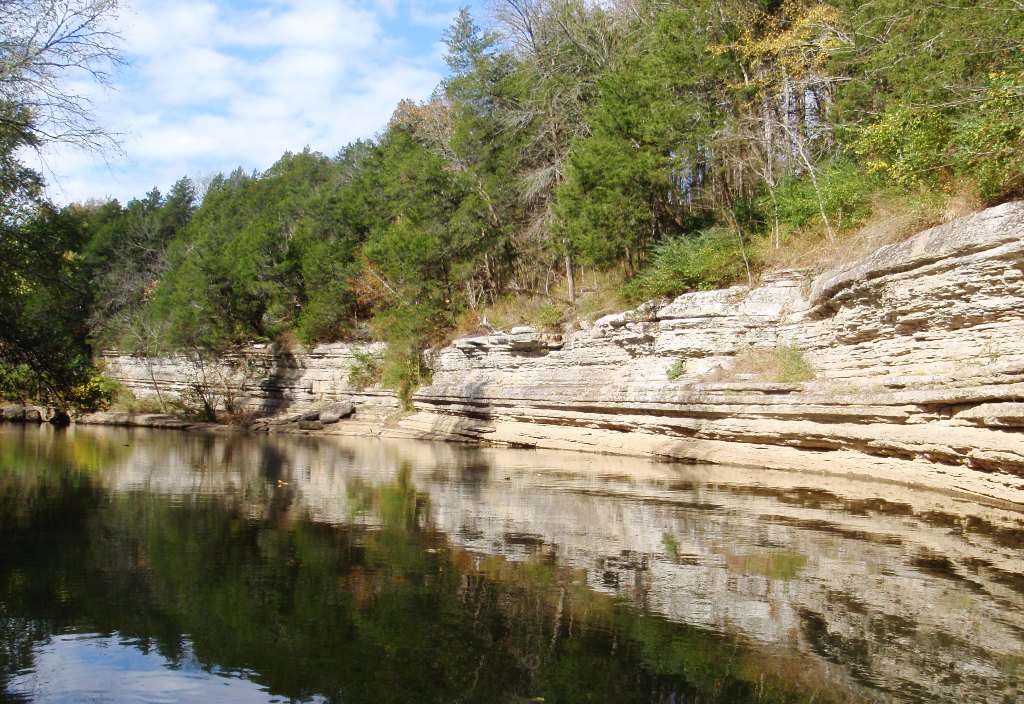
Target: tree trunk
570 279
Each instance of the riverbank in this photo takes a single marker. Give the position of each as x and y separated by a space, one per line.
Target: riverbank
906 366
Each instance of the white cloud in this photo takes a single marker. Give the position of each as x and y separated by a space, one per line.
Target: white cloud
428 15
216 85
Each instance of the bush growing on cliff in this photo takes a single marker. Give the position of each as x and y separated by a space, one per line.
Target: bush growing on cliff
365 370
785 363
710 259
676 369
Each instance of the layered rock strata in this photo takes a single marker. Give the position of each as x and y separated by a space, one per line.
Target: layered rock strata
263 379
911 361
916 354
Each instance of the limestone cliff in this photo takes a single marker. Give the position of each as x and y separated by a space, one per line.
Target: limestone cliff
916 356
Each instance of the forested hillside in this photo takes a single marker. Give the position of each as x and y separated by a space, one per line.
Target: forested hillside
672 145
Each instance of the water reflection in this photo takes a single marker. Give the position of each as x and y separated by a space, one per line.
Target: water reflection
348 570
93 667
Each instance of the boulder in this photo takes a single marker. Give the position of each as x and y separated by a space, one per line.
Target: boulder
14 414
337 411
56 416
310 425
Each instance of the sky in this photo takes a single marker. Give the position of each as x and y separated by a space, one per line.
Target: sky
217 84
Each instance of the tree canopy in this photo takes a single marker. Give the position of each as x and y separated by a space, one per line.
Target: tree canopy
46 48
675 142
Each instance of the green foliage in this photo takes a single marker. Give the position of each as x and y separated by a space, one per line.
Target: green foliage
365 370
42 299
990 140
785 363
92 392
408 331
710 259
549 317
125 257
676 369
937 93
633 179
401 371
908 145
793 364
96 393
844 190
43 303
235 271
18 382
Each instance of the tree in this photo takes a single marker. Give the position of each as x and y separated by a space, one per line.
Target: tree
643 172
482 153
127 255
780 128
49 49
43 353
45 47
935 90
561 47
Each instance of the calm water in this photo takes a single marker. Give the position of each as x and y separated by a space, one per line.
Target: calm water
161 567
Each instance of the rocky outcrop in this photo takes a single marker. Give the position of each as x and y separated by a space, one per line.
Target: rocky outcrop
915 351
15 413
162 421
910 369
263 379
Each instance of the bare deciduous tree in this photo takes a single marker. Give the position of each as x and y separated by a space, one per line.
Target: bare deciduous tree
561 46
50 50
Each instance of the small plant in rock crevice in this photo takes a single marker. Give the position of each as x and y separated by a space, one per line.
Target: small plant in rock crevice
785 363
677 369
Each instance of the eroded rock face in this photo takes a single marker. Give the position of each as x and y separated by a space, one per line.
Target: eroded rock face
916 350
33 414
916 353
265 379
336 411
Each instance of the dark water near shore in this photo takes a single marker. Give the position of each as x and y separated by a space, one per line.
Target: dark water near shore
141 566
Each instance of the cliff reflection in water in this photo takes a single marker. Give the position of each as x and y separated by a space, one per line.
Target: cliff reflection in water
363 571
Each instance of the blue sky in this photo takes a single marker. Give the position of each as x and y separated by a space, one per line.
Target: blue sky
216 84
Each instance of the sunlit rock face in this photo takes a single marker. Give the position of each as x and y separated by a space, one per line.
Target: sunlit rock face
261 378
910 369
914 351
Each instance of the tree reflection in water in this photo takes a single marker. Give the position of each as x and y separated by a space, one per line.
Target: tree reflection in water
319 572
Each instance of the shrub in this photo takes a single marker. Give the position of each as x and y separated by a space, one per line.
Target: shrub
792 364
402 372
549 317
365 370
17 382
92 392
909 146
783 363
710 259
845 191
990 145
677 369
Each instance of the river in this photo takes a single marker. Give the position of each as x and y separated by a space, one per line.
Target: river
158 566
